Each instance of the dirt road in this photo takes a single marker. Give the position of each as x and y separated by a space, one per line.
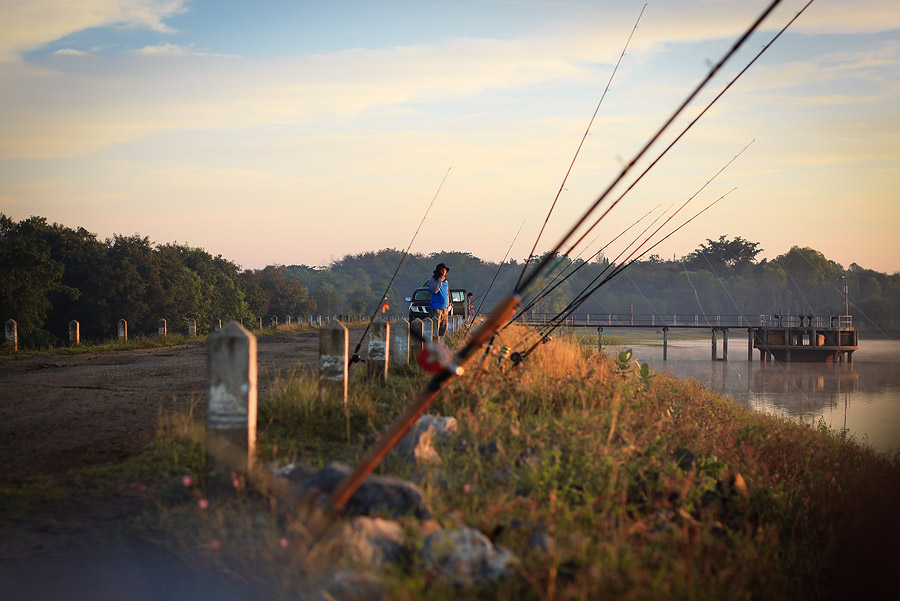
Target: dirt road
62 412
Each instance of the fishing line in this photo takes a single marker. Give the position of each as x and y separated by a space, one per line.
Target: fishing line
684 131
355 358
583 138
683 205
611 265
855 306
578 301
499 267
547 289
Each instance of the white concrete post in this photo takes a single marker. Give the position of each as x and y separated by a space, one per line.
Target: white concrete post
12 334
400 342
231 416
218 324
427 329
192 327
74 333
161 324
334 361
416 336
379 349
123 330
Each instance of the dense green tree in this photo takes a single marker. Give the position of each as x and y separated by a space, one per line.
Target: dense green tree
29 278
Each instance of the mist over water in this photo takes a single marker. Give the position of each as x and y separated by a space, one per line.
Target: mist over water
862 398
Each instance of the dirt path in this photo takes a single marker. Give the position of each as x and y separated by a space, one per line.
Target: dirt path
62 412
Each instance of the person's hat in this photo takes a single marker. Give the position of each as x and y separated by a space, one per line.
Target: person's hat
441 266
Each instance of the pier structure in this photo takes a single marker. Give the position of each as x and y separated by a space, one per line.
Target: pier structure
783 338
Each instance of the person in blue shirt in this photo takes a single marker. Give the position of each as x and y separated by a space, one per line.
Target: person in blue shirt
439 306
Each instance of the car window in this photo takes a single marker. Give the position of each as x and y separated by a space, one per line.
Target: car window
421 294
458 296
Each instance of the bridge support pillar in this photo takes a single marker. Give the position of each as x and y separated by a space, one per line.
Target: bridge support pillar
725 344
714 343
599 339
665 344
749 344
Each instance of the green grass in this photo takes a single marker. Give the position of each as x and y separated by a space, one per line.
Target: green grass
585 452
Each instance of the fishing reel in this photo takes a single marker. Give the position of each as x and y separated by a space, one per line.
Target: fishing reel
504 352
356 359
435 358
516 359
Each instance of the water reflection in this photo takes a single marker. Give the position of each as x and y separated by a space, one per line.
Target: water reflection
862 398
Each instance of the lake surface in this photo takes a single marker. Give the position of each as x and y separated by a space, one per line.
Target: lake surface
862 398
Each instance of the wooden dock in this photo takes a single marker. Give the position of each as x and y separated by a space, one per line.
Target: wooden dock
782 338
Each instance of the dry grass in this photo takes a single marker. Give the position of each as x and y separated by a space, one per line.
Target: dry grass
579 453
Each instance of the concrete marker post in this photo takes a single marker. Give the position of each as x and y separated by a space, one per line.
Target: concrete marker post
231 374
400 342
74 333
427 329
123 330
416 338
161 328
192 327
379 350
334 362
11 331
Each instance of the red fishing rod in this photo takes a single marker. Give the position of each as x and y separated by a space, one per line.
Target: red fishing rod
501 314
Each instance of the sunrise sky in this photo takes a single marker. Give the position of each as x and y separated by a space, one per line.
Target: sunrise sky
298 132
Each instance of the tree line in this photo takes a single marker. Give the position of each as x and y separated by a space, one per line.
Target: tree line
51 274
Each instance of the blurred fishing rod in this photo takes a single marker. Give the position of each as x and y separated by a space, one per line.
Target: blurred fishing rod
578 150
355 358
448 366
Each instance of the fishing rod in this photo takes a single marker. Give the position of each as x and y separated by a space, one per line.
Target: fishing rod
672 216
527 281
517 358
611 265
487 348
499 267
548 289
355 358
578 150
685 130
501 313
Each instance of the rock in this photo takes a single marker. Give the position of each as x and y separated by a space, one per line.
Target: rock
686 460
372 542
488 451
376 495
350 586
465 558
418 442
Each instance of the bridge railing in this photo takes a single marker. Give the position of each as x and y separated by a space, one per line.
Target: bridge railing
658 320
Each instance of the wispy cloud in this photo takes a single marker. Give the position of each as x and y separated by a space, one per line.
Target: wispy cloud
34 23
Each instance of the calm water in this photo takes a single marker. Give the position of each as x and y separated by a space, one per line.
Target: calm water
863 399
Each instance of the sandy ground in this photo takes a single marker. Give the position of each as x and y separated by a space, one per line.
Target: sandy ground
64 412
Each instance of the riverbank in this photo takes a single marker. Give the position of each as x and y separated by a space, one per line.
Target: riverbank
601 481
